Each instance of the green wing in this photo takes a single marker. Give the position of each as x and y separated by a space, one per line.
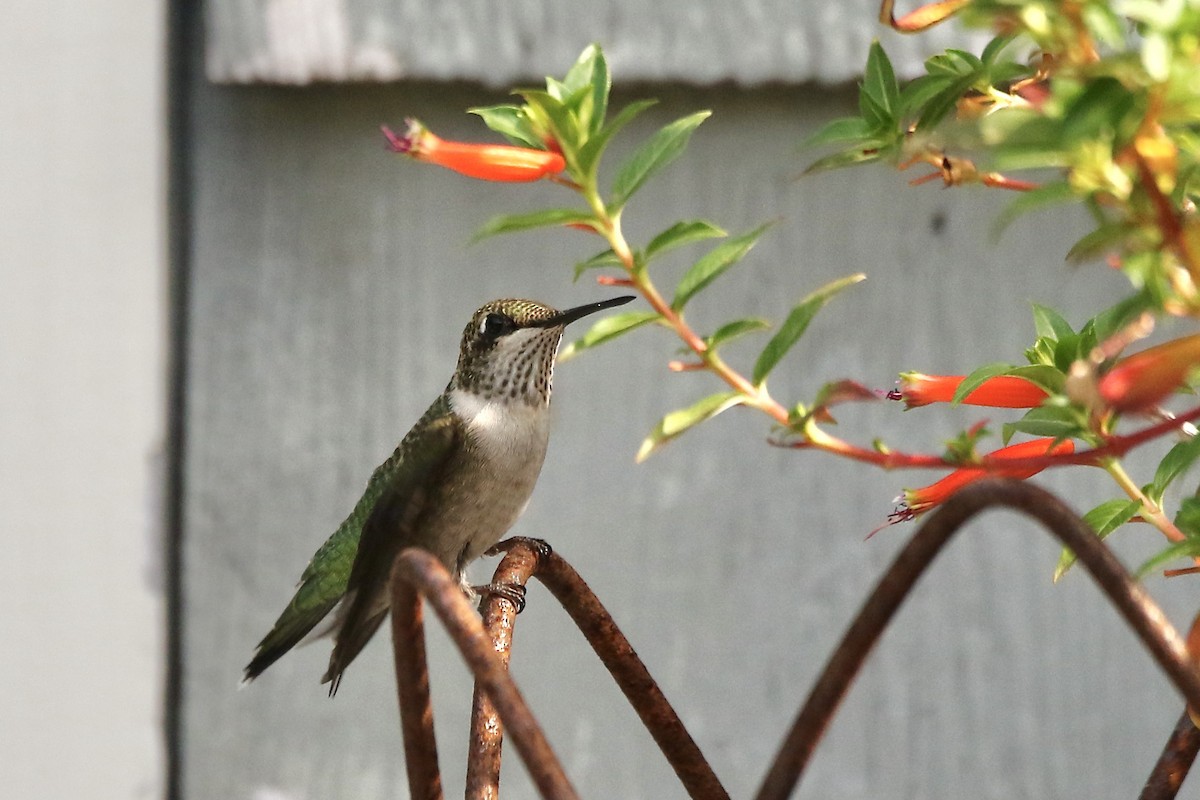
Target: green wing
325 578
394 520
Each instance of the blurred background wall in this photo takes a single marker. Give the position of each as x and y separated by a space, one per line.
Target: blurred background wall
323 284
83 343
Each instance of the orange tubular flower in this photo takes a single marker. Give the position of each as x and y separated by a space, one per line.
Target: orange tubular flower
1002 391
1145 379
918 501
489 162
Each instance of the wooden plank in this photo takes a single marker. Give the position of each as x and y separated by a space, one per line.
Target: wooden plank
703 42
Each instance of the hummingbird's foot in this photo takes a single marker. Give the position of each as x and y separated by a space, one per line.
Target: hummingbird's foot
512 592
540 547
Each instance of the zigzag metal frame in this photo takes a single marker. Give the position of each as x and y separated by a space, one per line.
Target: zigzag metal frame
485 645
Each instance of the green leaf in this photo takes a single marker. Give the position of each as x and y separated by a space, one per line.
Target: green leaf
994 48
1103 519
1045 376
590 72
511 122
1176 462
550 114
1061 422
797 323
507 223
845 158
1187 519
976 379
938 107
845 129
713 263
1071 348
655 153
877 117
589 154
955 63
677 422
916 93
1107 237
605 258
733 330
607 328
1050 324
879 81
1188 548
681 233
1097 111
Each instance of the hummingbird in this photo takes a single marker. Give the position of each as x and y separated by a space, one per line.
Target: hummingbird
454 485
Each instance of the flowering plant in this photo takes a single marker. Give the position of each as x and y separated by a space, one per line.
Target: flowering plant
1102 102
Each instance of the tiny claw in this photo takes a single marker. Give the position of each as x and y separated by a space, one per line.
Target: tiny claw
540 547
512 592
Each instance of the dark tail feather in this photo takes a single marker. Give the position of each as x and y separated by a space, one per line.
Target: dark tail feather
288 632
350 642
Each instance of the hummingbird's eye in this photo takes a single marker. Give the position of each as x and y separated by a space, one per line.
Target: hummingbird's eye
494 326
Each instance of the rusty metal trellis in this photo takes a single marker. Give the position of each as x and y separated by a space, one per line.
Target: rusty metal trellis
485 646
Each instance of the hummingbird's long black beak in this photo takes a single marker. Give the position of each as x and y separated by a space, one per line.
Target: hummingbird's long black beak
572 314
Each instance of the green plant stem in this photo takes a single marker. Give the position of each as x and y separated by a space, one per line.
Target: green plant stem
1150 510
756 396
609 226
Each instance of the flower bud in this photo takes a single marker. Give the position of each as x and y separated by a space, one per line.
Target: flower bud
1142 380
1001 391
918 501
489 162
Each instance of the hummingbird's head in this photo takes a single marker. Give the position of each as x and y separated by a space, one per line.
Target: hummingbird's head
508 347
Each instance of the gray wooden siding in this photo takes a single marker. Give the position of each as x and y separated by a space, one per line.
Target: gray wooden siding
83 344
331 281
707 41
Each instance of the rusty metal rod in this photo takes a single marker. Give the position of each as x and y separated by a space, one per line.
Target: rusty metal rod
412 687
1176 759
442 592
631 675
1158 636
487 729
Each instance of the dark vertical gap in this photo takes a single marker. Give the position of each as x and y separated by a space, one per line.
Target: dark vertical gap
183 26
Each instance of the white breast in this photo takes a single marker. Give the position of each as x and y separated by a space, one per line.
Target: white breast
506 433
512 439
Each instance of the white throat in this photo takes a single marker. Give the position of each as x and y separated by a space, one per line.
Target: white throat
503 429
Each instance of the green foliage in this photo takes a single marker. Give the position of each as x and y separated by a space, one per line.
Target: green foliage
655 153
679 234
510 223
1108 119
1175 463
1103 519
713 264
606 329
797 323
962 448
735 330
1113 101
678 422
